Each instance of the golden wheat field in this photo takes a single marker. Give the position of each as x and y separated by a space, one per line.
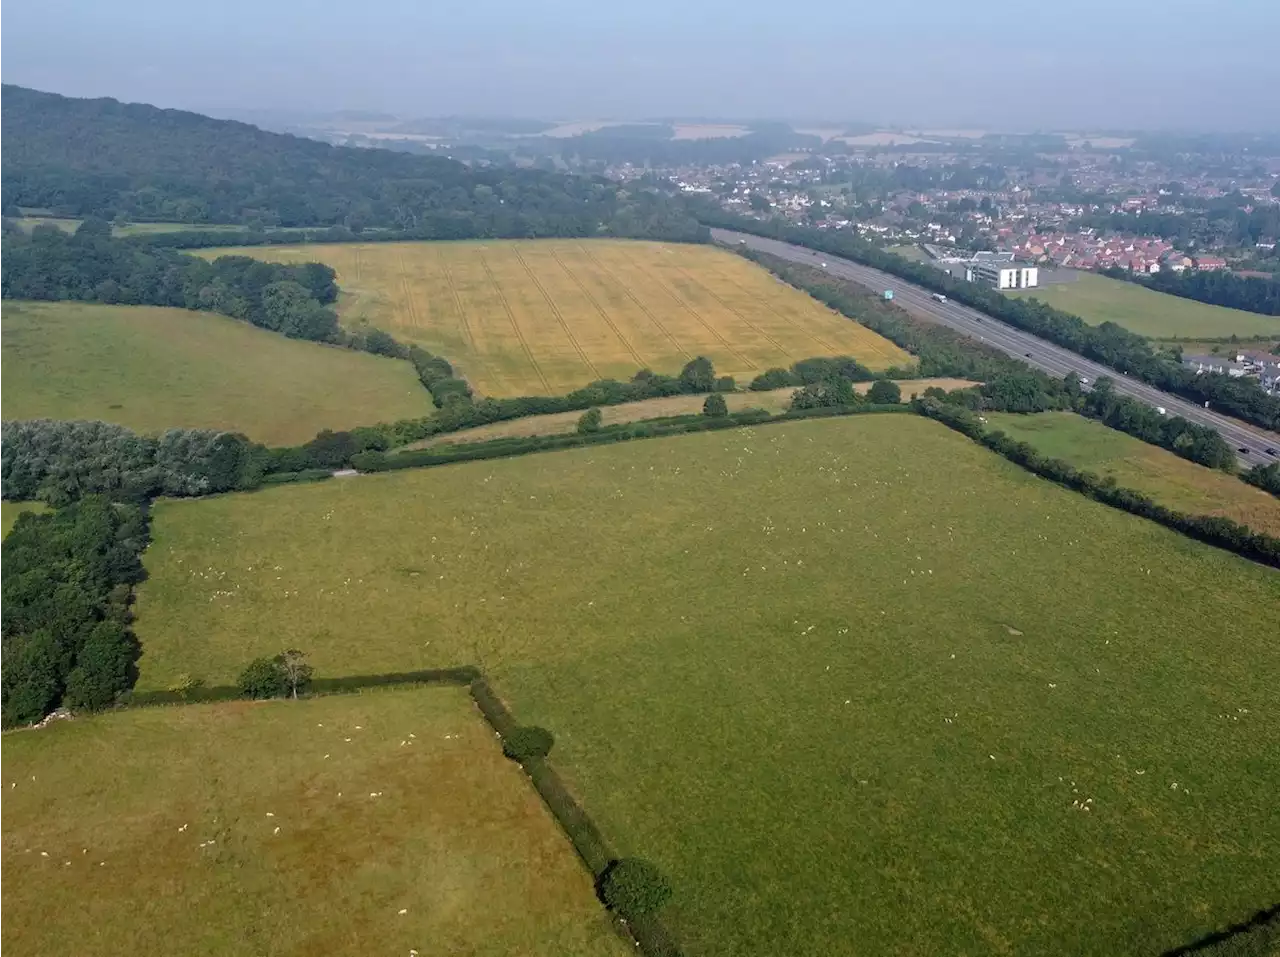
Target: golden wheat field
542 317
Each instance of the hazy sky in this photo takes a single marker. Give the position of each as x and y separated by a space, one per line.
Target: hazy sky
1002 64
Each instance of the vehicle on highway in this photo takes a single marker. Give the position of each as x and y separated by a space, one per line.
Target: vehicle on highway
1027 354
1160 410
1270 451
823 265
1242 450
940 297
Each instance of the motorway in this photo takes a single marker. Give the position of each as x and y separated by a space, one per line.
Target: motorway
1249 442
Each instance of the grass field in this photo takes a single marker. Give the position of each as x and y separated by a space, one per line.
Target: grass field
847 681
774 400
152 369
129 229
544 317
9 512
1170 480
1098 299
106 819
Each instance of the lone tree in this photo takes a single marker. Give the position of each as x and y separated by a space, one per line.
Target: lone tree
263 679
632 887
528 742
589 421
296 671
715 406
884 392
698 375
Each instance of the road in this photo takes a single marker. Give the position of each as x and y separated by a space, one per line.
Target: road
1030 349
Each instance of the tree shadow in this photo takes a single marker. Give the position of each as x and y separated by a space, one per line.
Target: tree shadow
1263 918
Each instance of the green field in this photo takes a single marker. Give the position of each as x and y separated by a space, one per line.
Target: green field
9 512
1098 299
1170 480
151 369
848 682
106 819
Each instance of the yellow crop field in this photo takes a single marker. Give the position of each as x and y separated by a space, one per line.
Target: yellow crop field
542 317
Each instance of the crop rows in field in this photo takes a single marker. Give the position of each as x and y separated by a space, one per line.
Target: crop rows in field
547 316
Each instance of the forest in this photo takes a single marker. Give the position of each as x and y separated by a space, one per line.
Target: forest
90 266
112 160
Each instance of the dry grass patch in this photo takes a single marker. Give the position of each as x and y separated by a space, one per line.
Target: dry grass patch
355 824
774 400
543 317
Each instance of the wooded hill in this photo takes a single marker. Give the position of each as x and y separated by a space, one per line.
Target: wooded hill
107 159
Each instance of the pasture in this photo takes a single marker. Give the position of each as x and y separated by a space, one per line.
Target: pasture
387 822
29 223
848 680
151 369
9 512
1158 315
543 317
773 400
1168 479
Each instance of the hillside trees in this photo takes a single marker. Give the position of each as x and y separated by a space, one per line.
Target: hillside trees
112 160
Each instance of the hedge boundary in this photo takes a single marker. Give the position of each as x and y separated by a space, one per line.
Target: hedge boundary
650 934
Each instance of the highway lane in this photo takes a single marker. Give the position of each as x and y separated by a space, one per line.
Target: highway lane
1036 352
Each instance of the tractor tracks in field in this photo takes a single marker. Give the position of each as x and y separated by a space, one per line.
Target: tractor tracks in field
511 316
555 311
626 291
600 311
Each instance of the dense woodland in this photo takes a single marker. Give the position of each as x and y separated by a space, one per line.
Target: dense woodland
90 266
114 160
67 587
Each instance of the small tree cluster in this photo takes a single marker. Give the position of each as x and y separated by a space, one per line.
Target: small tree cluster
590 421
283 675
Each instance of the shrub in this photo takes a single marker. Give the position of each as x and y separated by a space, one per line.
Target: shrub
526 742
715 406
726 383
589 421
884 392
263 678
774 379
632 887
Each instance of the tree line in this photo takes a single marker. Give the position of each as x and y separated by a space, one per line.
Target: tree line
1108 343
102 158
67 585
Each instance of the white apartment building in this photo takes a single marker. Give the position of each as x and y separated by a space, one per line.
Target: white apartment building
1005 275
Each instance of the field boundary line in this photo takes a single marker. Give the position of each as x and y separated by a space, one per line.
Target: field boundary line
626 291
555 310
640 364
467 337
506 306
693 312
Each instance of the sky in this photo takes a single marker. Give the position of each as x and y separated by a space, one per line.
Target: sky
989 64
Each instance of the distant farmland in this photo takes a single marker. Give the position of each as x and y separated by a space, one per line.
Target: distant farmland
152 369
843 680
1160 315
379 823
542 317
